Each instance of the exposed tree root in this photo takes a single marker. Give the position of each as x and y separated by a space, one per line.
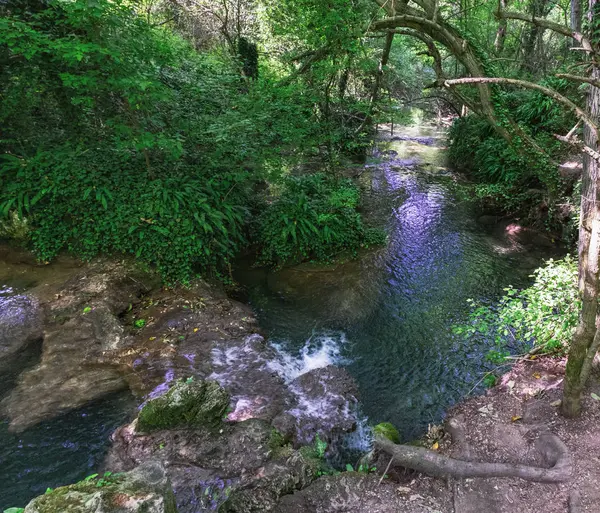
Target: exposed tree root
430 462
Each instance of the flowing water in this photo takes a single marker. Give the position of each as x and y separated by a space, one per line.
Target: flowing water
387 316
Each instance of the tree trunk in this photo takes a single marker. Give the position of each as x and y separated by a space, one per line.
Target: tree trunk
576 15
501 32
587 337
533 37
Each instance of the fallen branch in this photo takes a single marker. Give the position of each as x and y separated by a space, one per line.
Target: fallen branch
437 465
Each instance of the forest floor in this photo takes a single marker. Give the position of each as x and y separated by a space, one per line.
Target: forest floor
502 426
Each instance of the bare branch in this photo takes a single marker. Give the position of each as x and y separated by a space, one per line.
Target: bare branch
577 78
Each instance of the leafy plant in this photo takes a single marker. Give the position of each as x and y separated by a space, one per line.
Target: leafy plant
543 315
320 447
313 217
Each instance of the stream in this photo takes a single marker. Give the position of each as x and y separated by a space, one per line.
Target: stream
386 316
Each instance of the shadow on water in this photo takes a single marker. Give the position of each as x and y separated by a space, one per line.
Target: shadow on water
388 314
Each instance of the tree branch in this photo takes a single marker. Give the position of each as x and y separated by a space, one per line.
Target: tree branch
579 112
577 78
550 25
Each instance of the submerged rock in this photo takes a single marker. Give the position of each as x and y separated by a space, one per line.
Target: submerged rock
186 404
144 490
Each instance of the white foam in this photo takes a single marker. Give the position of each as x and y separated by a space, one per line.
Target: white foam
319 351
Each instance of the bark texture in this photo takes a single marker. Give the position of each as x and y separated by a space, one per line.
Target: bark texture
435 464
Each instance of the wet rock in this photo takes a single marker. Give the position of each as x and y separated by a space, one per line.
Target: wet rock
245 369
144 490
82 326
277 478
20 323
351 491
186 404
230 450
325 404
183 327
246 461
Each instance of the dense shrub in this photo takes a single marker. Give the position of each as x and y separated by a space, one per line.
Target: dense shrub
315 217
518 178
544 314
117 136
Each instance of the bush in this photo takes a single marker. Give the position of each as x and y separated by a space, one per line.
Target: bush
544 314
313 217
517 178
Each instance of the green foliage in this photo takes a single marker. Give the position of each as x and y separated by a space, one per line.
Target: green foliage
14 510
320 447
139 323
517 178
490 380
544 314
313 217
388 430
118 137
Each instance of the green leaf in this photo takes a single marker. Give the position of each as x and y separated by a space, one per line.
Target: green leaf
595 396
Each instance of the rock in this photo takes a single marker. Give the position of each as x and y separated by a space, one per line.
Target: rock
388 430
245 369
186 404
276 480
325 404
353 492
144 490
82 326
20 323
245 461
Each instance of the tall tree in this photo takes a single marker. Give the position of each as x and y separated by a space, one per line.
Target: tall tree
587 336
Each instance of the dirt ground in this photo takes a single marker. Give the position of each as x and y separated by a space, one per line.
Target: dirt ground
502 426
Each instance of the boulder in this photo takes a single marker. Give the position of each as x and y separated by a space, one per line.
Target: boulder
186 404
20 323
145 489
353 491
325 404
82 325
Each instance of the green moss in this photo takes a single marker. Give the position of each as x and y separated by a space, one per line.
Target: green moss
278 448
187 403
107 493
388 430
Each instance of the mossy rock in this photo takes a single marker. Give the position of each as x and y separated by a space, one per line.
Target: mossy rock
186 404
388 430
145 489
